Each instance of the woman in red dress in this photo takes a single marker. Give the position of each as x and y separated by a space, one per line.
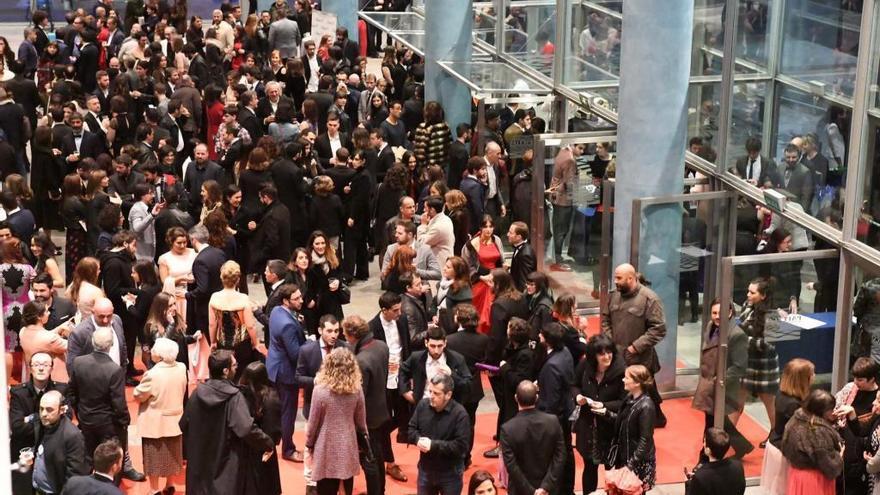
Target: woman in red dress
483 253
214 112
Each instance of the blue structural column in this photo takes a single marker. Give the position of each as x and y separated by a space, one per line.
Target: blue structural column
448 27
654 69
346 14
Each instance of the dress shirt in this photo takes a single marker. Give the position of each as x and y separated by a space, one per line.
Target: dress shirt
114 349
77 141
432 368
493 180
335 143
753 169
315 68
41 476
392 338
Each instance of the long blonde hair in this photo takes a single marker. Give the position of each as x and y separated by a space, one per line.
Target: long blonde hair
797 376
340 372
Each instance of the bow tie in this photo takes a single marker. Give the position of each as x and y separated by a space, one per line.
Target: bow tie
77 135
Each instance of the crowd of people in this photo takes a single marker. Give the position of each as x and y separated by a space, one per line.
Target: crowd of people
184 158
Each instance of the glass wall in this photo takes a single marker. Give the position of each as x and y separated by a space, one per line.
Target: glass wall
530 33
593 40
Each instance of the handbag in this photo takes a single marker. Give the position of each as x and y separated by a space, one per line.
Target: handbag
343 293
365 452
623 482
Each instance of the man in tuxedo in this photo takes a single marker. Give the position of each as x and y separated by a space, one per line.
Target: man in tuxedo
196 174
272 235
198 67
523 261
372 358
247 116
286 336
62 134
107 459
145 136
206 279
93 117
274 274
328 143
796 177
97 395
311 355
532 446
115 39
459 154
756 169
386 155
233 148
390 326
293 195
174 122
86 144
416 372
24 401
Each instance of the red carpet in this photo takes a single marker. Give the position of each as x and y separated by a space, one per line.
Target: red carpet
677 446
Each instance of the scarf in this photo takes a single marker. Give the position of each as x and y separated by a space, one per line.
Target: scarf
321 260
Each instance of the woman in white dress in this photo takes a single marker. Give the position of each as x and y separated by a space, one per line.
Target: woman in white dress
175 272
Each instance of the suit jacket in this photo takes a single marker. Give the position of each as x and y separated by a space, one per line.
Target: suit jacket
372 358
325 152
439 234
413 376
191 99
206 275
62 138
285 37
64 450
724 477
459 154
307 365
769 172
426 264
93 484
194 179
61 310
350 50
199 71
555 380
87 67
288 178
142 225
324 100
472 346
286 335
25 93
475 192
417 316
264 107
249 120
522 265
97 391
272 238
263 313
386 161
79 342
403 334
800 184
22 223
533 449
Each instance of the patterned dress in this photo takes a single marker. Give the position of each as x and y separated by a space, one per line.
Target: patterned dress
15 284
762 371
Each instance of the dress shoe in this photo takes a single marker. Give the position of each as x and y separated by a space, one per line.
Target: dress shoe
560 267
395 472
297 456
131 382
135 372
133 475
169 490
491 454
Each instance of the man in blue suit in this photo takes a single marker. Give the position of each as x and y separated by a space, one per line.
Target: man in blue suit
311 355
286 335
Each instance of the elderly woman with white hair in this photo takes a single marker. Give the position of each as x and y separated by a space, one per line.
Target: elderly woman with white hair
161 394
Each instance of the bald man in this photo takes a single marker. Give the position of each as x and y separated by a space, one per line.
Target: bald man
635 322
79 343
60 452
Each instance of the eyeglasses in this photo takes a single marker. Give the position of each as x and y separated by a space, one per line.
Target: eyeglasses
41 365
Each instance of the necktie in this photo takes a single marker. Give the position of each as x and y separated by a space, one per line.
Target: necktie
751 169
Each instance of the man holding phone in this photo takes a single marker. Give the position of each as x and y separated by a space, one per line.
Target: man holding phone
61 310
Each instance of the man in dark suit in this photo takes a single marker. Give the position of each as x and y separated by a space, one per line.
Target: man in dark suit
391 327
284 171
355 261
473 186
554 382
247 116
323 99
21 220
523 261
422 365
274 275
24 401
61 310
115 39
11 119
349 48
108 462
473 347
97 395
459 154
124 180
79 342
93 117
198 67
756 169
196 174
532 446
87 63
173 215
59 452
326 144
272 234
24 92
268 105
86 144
797 179
206 279
233 148
384 153
145 137
311 355
286 336
103 91
719 475
372 359
414 306
116 266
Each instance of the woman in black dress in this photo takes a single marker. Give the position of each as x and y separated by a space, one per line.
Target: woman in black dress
327 213
265 407
74 215
47 171
238 218
98 199
299 273
163 320
252 178
330 293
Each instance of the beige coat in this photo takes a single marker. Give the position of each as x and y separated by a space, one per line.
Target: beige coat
161 394
737 360
636 319
439 235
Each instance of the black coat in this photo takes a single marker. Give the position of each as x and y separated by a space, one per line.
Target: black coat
519 365
472 346
87 67
220 435
327 214
533 449
327 302
554 381
206 275
358 202
459 154
93 484
272 238
413 377
595 433
97 391
194 179
378 331
372 358
500 313
522 264
116 273
64 451
288 178
634 427
325 152
249 120
24 401
724 477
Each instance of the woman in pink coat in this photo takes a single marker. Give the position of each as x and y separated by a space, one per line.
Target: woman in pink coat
337 415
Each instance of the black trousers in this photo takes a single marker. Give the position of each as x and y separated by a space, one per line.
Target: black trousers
497 383
738 442
566 480
399 409
94 435
471 409
132 335
355 261
374 472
